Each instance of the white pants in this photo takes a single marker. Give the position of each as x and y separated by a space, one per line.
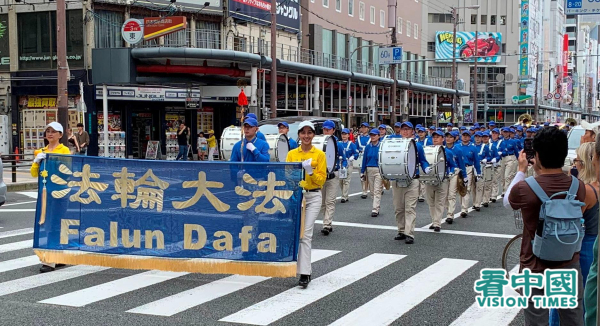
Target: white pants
330 190
510 171
487 189
405 202
375 186
451 195
313 205
345 183
436 198
464 201
211 153
478 193
498 181
421 190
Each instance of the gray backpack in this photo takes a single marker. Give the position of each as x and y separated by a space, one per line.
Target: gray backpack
560 229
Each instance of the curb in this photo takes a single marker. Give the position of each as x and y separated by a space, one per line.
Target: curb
12 187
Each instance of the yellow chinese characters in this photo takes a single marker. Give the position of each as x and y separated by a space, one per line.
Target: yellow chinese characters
270 194
202 186
86 186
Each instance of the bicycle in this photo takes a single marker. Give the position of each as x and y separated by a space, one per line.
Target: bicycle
512 251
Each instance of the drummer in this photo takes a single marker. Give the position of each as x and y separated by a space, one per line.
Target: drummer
331 186
471 160
362 141
382 132
370 170
405 198
284 128
453 153
424 141
482 153
315 172
259 134
251 148
492 159
348 152
436 195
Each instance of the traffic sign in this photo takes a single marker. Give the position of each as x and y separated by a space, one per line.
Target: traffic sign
132 31
390 55
557 96
549 96
582 7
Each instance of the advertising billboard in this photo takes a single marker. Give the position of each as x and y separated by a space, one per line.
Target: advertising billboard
489 46
259 12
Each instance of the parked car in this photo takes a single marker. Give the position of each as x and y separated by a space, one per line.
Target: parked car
574 139
2 186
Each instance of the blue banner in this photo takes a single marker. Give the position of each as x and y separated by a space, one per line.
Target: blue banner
248 212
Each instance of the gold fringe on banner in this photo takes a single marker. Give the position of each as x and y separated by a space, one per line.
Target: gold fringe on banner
195 265
43 208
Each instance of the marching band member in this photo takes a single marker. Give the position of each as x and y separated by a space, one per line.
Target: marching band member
254 149
482 153
472 131
498 181
430 133
315 173
453 154
491 158
349 153
469 153
510 156
362 141
397 130
492 125
436 195
370 166
284 128
330 188
449 127
259 134
382 132
405 198
424 141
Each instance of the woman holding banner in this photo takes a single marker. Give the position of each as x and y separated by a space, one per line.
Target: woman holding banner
315 168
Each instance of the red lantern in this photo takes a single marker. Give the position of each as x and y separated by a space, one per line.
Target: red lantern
499 115
242 99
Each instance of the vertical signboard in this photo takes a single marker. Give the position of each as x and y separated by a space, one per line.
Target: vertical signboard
524 42
565 55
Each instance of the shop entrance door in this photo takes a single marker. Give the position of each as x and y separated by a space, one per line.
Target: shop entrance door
143 131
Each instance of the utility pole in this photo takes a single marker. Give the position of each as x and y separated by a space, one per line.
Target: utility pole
475 104
274 59
392 21
454 24
62 67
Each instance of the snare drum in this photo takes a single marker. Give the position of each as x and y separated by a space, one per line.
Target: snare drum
398 160
436 157
488 172
328 145
358 162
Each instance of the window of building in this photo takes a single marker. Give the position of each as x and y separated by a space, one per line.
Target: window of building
338 5
502 20
399 25
361 10
408 26
372 14
208 35
351 8
483 19
441 72
430 46
570 29
440 18
493 20
37 39
503 48
326 3
495 94
106 29
473 19
416 31
381 18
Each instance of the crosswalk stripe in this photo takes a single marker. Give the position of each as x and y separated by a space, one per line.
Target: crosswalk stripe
34 281
392 304
16 246
112 289
13 264
475 316
285 303
15 233
180 302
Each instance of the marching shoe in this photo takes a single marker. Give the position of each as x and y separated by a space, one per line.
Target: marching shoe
449 220
304 280
326 231
493 200
409 240
463 214
431 227
363 196
437 229
374 214
478 209
485 205
474 208
400 236
46 268
421 200
343 201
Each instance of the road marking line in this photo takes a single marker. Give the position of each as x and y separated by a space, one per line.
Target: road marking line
13 246
392 304
285 303
457 215
14 233
31 194
386 227
183 301
351 195
112 289
17 210
13 264
21 203
34 281
475 316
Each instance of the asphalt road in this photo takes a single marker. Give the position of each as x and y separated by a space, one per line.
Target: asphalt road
363 277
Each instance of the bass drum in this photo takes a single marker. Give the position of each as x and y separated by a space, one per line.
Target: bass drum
272 141
328 145
282 148
229 137
398 160
436 157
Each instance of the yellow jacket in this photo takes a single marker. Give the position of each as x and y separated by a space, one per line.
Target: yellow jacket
319 165
60 149
212 141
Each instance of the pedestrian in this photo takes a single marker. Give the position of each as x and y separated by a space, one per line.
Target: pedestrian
331 187
551 147
53 134
453 180
212 145
182 141
83 139
72 142
315 174
202 146
251 148
591 288
284 128
436 194
348 152
482 153
471 159
369 172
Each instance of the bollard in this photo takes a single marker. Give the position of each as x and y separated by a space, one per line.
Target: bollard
14 170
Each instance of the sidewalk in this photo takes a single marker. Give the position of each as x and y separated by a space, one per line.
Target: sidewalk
24 180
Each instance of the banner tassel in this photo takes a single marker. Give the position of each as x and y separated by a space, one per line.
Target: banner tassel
44 195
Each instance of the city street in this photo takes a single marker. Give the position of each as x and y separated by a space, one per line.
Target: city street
361 276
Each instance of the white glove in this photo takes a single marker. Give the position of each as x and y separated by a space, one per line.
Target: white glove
495 165
494 160
306 165
466 181
427 170
351 159
362 177
250 147
484 161
479 177
39 158
500 153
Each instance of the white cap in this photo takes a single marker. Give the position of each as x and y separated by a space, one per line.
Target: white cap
590 126
56 126
306 124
